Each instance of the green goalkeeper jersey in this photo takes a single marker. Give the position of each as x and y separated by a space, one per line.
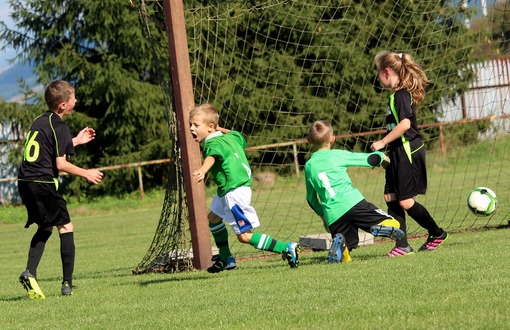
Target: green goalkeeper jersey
329 189
231 169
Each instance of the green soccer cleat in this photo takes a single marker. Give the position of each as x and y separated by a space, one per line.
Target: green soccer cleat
30 284
291 254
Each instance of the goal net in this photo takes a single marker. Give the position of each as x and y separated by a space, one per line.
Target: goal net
273 67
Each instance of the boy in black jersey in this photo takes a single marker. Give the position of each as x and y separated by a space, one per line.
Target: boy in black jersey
47 145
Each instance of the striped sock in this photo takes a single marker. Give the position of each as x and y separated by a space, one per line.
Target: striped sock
267 243
220 235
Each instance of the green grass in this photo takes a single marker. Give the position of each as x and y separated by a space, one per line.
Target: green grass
463 284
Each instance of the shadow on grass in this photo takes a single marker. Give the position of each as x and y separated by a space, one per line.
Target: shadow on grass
171 278
17 298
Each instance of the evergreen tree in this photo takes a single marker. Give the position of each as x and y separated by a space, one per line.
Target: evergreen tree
279 65
100 47
306 60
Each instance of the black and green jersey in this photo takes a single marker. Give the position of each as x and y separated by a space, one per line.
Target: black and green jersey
329 189
48 138
400 106
231 169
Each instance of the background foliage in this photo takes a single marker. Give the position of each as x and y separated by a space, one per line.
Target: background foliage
102 48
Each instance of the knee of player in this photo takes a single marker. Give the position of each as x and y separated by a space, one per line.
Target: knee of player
388 198
406 204
213 218
67 228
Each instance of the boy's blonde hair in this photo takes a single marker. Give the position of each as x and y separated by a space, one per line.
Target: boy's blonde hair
209 113
57 92
320 133
411 75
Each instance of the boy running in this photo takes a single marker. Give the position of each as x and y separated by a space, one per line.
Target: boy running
224 157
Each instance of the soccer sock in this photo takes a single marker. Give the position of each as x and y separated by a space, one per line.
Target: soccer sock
220 235
397 212
267 243
67 253
36 250
420 214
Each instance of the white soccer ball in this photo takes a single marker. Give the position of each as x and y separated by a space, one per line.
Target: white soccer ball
482 201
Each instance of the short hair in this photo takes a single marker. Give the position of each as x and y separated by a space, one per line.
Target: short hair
320 133
57 92
209 113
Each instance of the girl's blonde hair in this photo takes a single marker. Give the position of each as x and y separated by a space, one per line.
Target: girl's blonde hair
209 113
411 75
320 133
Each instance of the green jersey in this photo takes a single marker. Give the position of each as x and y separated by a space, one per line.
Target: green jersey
231 169
329 189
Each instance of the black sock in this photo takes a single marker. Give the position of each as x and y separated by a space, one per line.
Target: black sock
36 250
67 252
420 214
397 212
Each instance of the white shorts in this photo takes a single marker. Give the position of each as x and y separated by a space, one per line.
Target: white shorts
235 208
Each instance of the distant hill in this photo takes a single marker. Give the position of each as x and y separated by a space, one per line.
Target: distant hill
9 87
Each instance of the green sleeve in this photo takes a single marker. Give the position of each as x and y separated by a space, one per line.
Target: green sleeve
311 198
372 159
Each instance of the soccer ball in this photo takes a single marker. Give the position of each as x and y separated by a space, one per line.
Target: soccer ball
482 201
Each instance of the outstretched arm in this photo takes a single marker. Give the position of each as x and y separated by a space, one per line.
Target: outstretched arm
86 135
92 175
399 130
378 158
202 171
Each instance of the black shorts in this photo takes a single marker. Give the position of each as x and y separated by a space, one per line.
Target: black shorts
45 205
404 179
361 216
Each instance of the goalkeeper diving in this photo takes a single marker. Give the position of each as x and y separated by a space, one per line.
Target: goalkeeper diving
330 193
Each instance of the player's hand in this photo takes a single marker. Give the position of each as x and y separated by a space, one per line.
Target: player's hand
94 176
199 175
386 161
377 145
86 135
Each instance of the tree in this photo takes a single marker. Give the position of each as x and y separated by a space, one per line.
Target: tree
282 65
100 47
278 65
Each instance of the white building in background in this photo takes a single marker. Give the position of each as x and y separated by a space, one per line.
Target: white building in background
8 190
488 96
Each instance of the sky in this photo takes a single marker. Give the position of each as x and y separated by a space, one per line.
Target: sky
4 16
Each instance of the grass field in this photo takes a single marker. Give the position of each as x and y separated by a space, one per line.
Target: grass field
465 284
